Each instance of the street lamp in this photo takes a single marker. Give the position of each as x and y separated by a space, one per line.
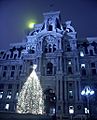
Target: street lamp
87 91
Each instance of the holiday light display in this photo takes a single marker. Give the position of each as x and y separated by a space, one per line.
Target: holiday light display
30 98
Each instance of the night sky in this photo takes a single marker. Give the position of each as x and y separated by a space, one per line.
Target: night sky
15 14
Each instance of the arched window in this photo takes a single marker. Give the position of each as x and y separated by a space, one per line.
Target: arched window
54 47
49 68
50 48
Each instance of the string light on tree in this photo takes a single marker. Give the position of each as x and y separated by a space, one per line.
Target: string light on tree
30 99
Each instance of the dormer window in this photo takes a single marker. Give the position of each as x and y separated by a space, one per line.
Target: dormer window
50 28
91 52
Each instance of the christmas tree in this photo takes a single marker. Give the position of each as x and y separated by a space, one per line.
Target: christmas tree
30 99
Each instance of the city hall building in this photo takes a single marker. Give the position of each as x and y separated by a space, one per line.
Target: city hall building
65 66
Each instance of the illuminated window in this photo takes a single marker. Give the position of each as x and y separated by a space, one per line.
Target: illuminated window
9 93
70 94
81 53
86 111
17 94
52 111
71 110
7 106
69 62
1 94
82 65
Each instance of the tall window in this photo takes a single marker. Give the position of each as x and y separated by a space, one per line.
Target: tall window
13 67
81 53
92 64
69 70
12 74
49 68
9 94
91 52
4 74
70 94
7 106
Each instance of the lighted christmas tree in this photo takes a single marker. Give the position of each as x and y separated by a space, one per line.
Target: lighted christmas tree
30 99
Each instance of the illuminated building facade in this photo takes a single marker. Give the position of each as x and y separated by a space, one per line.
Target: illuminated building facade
65 65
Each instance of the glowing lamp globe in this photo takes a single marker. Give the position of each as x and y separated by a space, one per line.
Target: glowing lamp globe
31 25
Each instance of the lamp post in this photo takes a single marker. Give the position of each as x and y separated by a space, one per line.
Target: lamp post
87 91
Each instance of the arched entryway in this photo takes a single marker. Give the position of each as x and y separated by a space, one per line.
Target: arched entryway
50 101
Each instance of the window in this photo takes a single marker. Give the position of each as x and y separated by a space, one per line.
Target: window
93 64
83 72
9 93
1 94
31 63
71 110
10 86
93 71
54 47
12 74
50 48
81 53
91 52
1 86
69 62
82 65
7 106
69 70
86 111
13 67
4 74
17 94
50 28
49 68
5 67
70 94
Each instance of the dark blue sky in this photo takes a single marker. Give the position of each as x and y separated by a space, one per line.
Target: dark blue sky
14 15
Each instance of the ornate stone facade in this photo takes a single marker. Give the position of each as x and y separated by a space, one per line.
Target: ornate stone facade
65 65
